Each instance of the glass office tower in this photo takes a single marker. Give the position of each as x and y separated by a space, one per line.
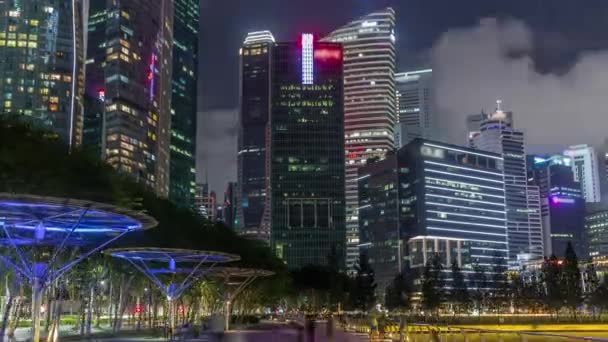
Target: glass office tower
128 87
42 69
433 198
369 103
307 152
182 173
253 200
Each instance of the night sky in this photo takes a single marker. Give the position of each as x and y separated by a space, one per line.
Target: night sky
545 59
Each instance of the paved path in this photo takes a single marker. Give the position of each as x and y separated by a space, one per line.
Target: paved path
278 333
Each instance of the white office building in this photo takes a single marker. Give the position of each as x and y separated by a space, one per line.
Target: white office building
586 170
524 227
369 104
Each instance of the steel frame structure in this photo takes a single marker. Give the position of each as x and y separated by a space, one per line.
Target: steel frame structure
29 224
195 264
236 280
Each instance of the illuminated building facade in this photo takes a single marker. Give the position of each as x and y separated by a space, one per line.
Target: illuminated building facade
497 134
307 152
474 125
596 226
183 102
205 202
429 198
229 206
586 170
42 70
369 103
253 207
562 204
415 117
128 87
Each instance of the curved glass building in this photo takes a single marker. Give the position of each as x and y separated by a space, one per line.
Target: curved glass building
369 103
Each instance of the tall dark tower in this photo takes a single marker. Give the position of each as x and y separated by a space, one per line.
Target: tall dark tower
42 69
307 152
182 173
128 87
253 201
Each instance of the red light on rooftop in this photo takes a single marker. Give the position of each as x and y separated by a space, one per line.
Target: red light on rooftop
325 54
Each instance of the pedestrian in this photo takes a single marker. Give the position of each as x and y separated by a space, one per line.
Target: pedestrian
310 328
330 327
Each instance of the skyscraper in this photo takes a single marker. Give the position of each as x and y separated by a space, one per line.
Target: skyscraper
253 207
586 170
128 87
205 202
562 204
183 102
596 226
229 205
433 198
497 134
369 103
42 70
474 125
307 152
416 120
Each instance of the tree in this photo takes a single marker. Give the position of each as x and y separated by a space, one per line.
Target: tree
598 299
362 296
397 296
571 280
551 277
480 281
460 293
500 295
591 279
34 161
433 285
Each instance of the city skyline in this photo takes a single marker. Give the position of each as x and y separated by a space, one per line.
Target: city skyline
440 163
556 47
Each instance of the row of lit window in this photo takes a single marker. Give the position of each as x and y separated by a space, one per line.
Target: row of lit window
255 51
56 77
323 103
18 36
19 43
297 87
180 151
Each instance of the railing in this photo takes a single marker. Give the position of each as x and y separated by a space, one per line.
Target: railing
424 332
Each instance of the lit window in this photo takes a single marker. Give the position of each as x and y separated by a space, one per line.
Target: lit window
34 22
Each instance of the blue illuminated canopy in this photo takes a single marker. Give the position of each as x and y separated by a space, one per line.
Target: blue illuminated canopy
164 255
27 212
159 263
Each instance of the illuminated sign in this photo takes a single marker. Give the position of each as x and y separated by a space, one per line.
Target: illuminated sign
307 58
428 151
151 75
564 200
325 54
369 23
101 95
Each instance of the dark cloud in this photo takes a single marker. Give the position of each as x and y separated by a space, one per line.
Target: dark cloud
216 150
475 66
